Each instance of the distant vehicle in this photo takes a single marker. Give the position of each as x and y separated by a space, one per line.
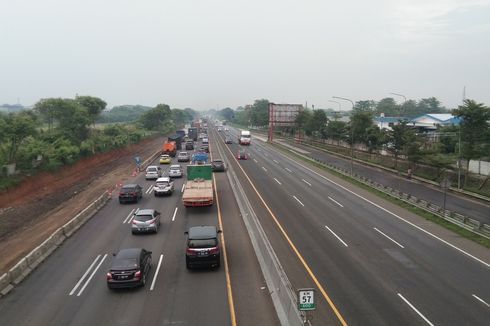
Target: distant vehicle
202 135
129 268
204 148
228 140
189 146
153 172
218 165
203 247
163 187
198 190
165 159
242 155
130 193
244 138
175 171
169 148
145 220
205 141
192 133
183 157
219 128
227 129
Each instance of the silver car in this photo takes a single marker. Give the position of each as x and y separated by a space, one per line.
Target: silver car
145 220
175 171
153 172
183 157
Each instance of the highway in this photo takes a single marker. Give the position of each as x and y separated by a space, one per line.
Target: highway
379 264
471 207
69 288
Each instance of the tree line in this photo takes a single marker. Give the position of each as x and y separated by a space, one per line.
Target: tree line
470 140
59 131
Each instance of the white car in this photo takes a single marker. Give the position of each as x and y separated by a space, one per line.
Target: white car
163 186
175 171
153 172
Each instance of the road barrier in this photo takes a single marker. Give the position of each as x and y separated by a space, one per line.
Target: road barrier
41 252
5 285
19 271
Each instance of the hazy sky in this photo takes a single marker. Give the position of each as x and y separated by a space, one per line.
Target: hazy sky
217 53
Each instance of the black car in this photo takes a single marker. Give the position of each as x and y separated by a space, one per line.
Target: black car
189 145
204 148
242 155
130 193
218 165
202 247
129 268
228 140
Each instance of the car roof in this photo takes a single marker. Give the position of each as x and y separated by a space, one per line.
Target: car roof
162 179
128 253
185 153
147 211
202 232
218 160
130 185
165 155
152 166
174 166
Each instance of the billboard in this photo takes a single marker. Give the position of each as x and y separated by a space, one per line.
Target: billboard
282 115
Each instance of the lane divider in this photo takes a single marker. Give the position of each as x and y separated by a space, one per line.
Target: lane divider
399 245
415 309
345 244
156 273
92 275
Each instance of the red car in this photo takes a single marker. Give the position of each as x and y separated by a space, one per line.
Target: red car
242 155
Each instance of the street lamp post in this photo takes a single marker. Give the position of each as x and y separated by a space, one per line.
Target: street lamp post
340 108
351 136
404 100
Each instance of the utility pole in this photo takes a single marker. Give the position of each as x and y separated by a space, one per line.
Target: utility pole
351 137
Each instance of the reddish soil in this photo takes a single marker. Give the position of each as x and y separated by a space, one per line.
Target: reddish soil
30 212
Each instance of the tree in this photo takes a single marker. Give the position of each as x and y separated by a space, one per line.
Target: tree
302 119
93 105
47 109
16 128
430 105
361 121
475 130
180 117
397 139
375 138
259 115
155 118
227 114
387 106
335 130
366 106
317 123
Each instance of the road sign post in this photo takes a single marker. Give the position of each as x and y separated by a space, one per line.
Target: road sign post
306 302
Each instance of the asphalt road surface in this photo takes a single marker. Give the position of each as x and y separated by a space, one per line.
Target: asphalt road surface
69 288
376 263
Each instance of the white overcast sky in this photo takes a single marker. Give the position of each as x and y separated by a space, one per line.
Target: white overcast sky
224 53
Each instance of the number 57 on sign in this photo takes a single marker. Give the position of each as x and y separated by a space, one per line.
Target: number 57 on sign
306 299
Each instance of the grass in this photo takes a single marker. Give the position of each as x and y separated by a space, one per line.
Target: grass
418 211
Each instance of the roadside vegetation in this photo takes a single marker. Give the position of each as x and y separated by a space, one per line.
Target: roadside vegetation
58 132
434 156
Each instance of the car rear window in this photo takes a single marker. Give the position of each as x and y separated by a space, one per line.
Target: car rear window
143 218
126 190
202 243
124 263
151 170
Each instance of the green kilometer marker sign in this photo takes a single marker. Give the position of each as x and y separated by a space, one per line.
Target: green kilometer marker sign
306 299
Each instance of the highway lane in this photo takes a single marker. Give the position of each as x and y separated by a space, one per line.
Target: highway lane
361 273
471 207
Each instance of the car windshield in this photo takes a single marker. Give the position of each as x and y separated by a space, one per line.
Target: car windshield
202 243
125 263
174 169
162 183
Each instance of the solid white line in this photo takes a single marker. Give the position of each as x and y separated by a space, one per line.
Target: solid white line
345 244
309 184
255 161
149 189
276 162
399 245
156 273
415 309
299 201
335 201
264 169
92 275
481 300
130 213
183 187
175 213
278 181
397 216
84 275
288 170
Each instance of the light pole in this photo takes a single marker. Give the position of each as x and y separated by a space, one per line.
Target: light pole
351 136
340 108
404 100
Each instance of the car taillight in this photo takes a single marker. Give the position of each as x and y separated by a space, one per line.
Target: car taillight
137 274
134 222
214 250
190 251
121 194
109 276
152 222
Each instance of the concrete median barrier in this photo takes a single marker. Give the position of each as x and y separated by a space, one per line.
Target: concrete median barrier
19 272
5 286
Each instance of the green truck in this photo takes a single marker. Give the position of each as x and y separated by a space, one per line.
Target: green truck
198 189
